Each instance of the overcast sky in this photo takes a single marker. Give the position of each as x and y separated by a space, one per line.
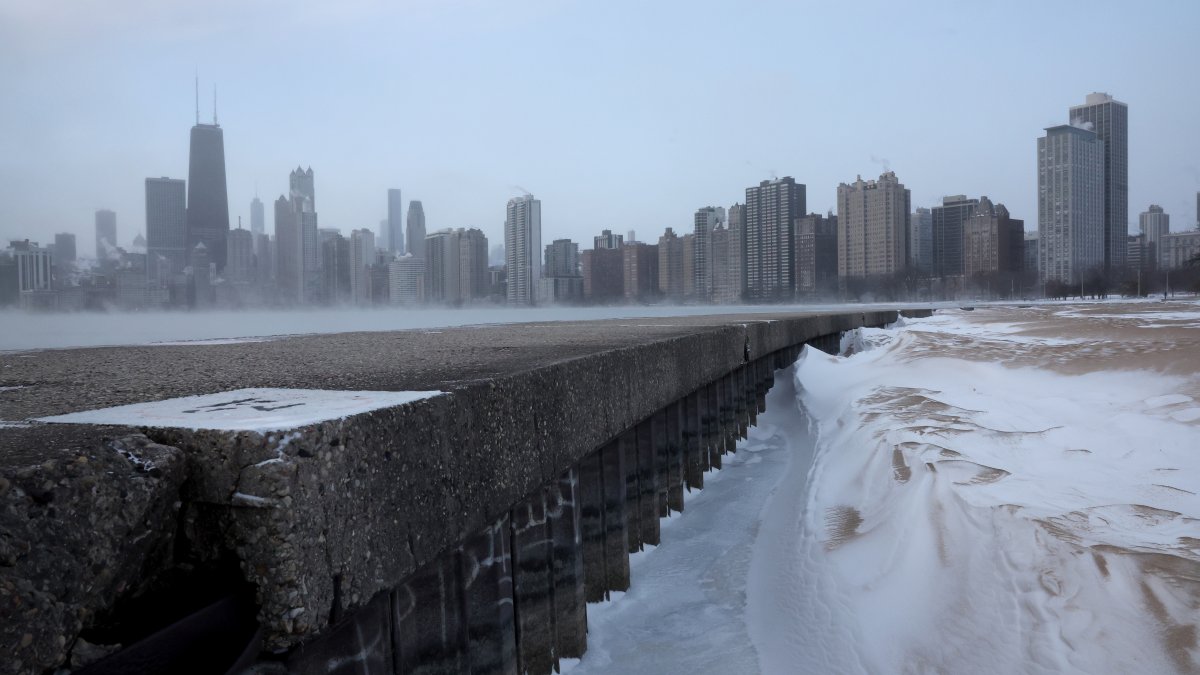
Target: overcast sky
616 115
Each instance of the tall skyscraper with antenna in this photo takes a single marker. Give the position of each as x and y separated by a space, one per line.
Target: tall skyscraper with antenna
208 200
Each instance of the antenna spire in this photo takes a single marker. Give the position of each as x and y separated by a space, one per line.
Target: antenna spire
197 96
215 104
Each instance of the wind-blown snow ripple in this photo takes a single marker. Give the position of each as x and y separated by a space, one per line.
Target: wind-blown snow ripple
994 492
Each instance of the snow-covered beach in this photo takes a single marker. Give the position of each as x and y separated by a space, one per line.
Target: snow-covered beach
1007 490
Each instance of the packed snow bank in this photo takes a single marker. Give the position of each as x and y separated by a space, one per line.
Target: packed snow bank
685 612
962 515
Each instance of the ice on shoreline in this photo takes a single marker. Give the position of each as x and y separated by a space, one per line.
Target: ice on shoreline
964 515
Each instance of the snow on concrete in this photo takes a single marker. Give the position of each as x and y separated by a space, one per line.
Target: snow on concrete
968 514
260 410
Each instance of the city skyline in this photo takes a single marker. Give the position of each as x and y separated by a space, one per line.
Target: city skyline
462 176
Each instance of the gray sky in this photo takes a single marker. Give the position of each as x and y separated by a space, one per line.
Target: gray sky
616 115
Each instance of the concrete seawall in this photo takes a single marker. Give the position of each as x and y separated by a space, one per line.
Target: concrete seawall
459 532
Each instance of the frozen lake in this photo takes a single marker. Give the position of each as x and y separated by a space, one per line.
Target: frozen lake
22 331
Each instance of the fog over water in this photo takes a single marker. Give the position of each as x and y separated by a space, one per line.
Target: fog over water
20 331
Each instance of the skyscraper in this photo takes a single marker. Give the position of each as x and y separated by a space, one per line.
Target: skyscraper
395 213
948 220
607 240
816 253
920 240
106 233
703 223
416 229
166 226
640 271
473 264
728 255
406 280
207 199
303 282
670 266
562 259
771 209
362 256
1153 224
1109 118
442 266
335 269
302 189
258 223
992 241
523 248
1071 227
64 255
289 252
239 264
872 222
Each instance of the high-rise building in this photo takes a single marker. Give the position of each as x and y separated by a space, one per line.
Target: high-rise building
166 226
687 244
200 277
406 279
395 228
1177 248
816 253
455 266
728 250
298 244
264 259
1198 210
920 240
1153 223
1109 118
362 257
35 266
381 237
1071 227
771 210
561 281
562 259
640 271
992 241
523 249
703 223
1135 256
948 220
106 234
302 189
416 229
1030 251
872 221
239 264
473 264
442 266
207 198
289 252
603 275
608 240
670 266
335 269
258 223
64 250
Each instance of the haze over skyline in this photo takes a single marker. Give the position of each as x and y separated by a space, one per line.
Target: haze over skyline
615 116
